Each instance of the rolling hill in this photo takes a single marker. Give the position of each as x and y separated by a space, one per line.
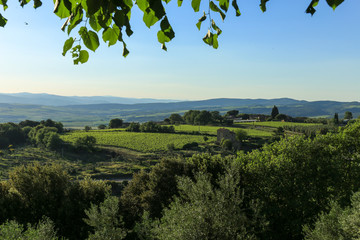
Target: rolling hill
94 114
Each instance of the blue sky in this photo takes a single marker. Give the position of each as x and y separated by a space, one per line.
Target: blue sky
281 53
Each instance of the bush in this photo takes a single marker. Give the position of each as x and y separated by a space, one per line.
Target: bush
241 135
226 144
189 146
133 127
12 230
115 123
86 143
53 141
202 209
101 126
170 147
87 128
38 190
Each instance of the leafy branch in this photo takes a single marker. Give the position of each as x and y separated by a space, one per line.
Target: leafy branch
113 18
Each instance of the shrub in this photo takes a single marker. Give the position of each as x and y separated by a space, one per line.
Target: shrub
86 143
226 144
133 127
115 123
189 146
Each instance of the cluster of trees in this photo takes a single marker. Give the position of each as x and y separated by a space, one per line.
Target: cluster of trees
44 133
42 198
150 127
198 117
11 134
277 192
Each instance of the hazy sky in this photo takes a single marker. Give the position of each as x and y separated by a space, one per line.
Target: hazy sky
281 53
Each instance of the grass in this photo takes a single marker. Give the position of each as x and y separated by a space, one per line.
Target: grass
106 163
142 142
213 130
276 124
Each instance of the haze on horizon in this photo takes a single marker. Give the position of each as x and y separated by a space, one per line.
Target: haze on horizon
281 53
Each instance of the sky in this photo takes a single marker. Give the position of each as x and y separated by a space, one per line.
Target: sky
280 53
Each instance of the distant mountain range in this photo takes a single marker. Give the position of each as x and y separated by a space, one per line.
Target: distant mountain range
57 100
76 111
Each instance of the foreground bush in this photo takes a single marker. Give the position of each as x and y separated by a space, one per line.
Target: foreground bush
38 190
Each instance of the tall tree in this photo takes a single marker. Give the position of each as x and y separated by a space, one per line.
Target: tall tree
348 115
175 118
115 123
274 112
336 119
232 113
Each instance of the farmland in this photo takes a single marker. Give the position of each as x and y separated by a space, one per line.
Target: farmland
212 130
142 142
104 163
276 124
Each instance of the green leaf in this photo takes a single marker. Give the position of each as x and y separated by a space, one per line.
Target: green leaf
216 28
215 8
143 4
68 45
128 30
110 35
94 23
120 18
163 47
125 50
128 3
158 8
195 5
76 19
215 41
104 20
62 8
150 18
211 39
23 2
91 6
311 8
37 3
236 7
3 2
179 3
334 3
90 38
166 33
263 5
3 21
203 18
83 56
224 5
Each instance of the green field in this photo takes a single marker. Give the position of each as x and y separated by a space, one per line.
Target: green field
105 163
213 130
142 142
276 124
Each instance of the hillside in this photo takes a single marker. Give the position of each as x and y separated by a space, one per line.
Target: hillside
94 114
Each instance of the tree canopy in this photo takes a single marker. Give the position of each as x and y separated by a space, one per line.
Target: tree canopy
110 19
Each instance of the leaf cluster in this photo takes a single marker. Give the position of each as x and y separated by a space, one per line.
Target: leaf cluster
110 19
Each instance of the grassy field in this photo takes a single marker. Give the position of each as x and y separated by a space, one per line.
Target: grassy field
142 142
213 130
105 163
276 124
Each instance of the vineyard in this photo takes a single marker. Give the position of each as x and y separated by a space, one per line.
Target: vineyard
276 124
213 129
142 142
